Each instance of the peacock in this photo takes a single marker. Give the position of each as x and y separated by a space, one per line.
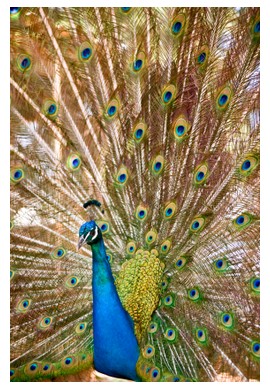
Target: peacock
135 193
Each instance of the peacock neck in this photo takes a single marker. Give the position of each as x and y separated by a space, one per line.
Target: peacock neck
116 349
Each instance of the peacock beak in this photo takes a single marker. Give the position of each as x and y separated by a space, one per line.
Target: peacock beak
82 240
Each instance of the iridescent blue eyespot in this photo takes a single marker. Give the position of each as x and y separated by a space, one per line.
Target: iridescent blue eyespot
25 63
176 27
25 303
240 220
46 367
82 326
167 96
170 332
47 321
246 165
141 214
75 162
138 133
256 283
111 110
68 361
256 347
200 176
103 227
14 10
73 281
223 100
122 177
200 333
60 252
131 248
125 9
201 58
155 373
33 367
52 109
12 372
226 318
195 225
257 27
17 174
219 263
157 166
169 212
86 53
180 130
192 293
179 263
137 65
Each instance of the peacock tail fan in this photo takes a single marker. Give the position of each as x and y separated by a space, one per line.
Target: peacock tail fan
154 113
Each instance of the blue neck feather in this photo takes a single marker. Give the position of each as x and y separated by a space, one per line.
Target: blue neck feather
116 349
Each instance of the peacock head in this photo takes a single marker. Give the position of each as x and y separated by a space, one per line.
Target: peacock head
89 233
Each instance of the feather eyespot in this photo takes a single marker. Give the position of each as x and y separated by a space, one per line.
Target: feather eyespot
227 320
148 351
224 98
138 64
169 300
153 326
194 294
12 373
32 368
72 281
45 323
178 25
181 128
151 237
24 62
104 226
122 177
85 52
125 10
141 213
154 374
139 131
168 94
221 265
201 335
249 164
201 174
197 224
157 165
74 162
15 12
131 248
68 362
243 221
165 246
16 175
170 334
50 109
255 285
81 328
59 252
202 57
169 211
255 29
255 349
112 109
24 305
181 262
